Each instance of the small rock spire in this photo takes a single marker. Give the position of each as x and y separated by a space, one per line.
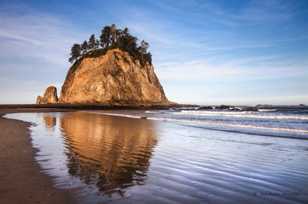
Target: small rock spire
50 96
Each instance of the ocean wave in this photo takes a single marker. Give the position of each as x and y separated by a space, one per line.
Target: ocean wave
224 126
115 114
267 110
244 114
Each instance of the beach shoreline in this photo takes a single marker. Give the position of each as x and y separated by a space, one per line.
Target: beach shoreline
22 180
138 152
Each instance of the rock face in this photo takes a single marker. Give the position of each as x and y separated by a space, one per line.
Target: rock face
39 100
113 78
50 96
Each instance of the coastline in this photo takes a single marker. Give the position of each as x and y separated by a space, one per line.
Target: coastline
72 107
155 144
250 165
22 180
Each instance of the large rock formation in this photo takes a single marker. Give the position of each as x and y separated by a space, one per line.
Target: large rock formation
112 78
50 96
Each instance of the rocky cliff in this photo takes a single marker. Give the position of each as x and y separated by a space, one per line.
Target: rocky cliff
50 96
112 78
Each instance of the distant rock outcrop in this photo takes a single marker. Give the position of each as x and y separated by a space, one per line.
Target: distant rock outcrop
39 100
114 78
50 96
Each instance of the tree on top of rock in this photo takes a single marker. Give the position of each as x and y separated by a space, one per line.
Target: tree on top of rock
75 52
105 37
111 37
84 47
93 43
113 34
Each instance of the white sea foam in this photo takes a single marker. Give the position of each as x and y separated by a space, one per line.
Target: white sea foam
115 114
244 114
252 128
224 125
267 110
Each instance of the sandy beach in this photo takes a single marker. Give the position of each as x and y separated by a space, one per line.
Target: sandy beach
21 177
149 157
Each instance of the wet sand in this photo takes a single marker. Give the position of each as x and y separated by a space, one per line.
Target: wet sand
104 159
20 175
111 159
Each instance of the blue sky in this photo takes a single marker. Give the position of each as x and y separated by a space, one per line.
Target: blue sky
205 52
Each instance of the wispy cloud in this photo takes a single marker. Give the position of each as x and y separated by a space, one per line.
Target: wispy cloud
162 30
37 36
34 50
250 13
266 67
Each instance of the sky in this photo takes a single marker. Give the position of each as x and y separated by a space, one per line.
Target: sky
244 52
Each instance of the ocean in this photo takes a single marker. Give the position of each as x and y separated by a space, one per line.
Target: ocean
175 156
280 122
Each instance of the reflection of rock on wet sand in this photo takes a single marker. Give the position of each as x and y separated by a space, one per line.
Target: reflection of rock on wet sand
111 152
50 121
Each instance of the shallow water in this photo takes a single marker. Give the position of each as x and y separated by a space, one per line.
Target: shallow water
126 160
285 122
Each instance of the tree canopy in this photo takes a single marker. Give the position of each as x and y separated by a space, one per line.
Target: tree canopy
111 37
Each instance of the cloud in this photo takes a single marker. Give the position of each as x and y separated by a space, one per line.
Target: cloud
200 35
160 32
249 68
34 51
36 35
251 12
260 12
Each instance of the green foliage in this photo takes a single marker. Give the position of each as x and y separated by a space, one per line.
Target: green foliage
105 37
93 43
75 53
84 47
111 37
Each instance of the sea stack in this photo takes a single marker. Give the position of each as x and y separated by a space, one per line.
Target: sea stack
50 96
114 78
115 69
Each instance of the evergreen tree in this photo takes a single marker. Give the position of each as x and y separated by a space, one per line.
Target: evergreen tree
75 52
110 38
92 42
96 44
125 31
84 47
105 37
143 47
113 34
148 57
129 43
